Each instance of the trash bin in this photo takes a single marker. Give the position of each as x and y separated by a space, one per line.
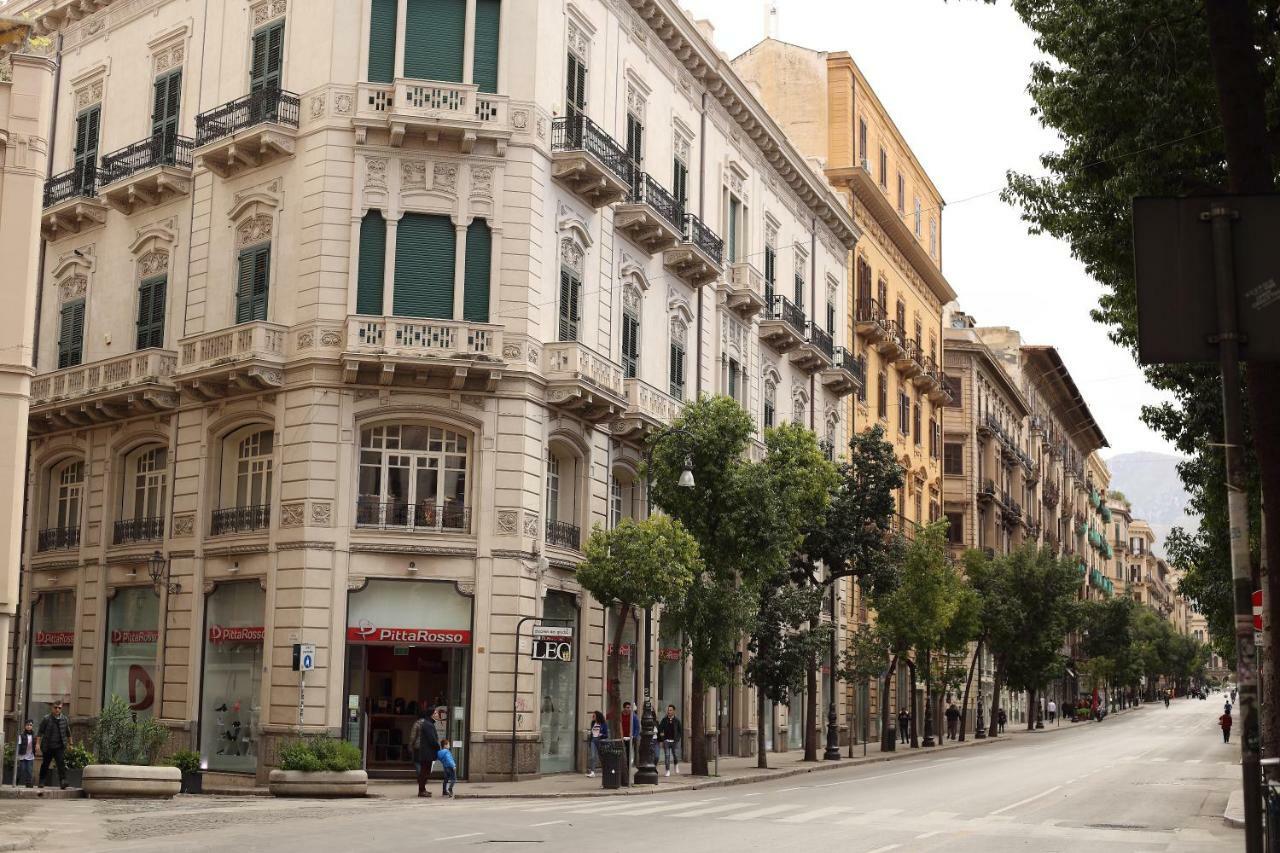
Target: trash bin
613 763
890 743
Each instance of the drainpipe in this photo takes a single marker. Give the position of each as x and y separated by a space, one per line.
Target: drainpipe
48 173
702 174
813 302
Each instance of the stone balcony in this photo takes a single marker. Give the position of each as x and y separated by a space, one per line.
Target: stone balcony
815 352
583 382
650 216
251 131
71 203
148 173
113 389
782 326
648 409
846 373
589 162
435 109
743 290
871 321
454 354
243 359
697 258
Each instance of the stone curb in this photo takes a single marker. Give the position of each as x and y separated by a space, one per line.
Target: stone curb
1233 814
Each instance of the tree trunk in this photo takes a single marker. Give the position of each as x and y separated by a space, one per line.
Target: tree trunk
811 712
698 727
997 679
912 704
968 683
1032 708
613 706
885 710
762 761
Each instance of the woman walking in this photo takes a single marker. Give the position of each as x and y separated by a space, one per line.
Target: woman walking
599 732
1225 722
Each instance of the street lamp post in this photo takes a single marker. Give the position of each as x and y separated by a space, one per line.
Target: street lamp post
832 752
646 766
979 729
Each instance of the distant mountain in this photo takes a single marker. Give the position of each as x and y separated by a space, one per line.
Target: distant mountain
1150 482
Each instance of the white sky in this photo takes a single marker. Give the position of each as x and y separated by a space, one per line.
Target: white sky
953 75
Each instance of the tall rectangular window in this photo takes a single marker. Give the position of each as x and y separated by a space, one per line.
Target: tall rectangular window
677 369
917 215
477 272
916 432
635 148
575 96
882 400
955 528
933 238
371 273
798 295
164 109
953 459
88 124
680 182
484 65
734 378
770 271
904 413
425 258
382 41
151 299
902 194
630 343
736 252
71 334
862 142
434 31
570 304
253 283
267 63
884 169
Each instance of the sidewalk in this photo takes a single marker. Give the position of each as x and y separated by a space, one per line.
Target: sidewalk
732 771
1233 814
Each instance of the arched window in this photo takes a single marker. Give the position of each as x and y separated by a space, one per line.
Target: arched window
245 487
563 529
799 405
770 401
62 518
413 476
142 498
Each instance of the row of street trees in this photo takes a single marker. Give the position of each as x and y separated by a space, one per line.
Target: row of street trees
753 553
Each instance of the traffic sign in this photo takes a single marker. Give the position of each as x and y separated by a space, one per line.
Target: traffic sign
304 657
1257 610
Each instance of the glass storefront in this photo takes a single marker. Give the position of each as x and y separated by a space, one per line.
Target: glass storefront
558 705
231 711
670 671
628 685
408 647
53 633
133 620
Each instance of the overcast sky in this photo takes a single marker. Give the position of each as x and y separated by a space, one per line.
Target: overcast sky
953 76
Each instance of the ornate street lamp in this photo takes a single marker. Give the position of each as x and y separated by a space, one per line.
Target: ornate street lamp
646 766
158 568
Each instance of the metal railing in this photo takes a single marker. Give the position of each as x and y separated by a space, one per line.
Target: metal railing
782 308
645 190
842 358
275 106
871 311
240 519
987 489
163 149
58 538
401 515
579 133
562 534
138 530
821 339
697 233
78 182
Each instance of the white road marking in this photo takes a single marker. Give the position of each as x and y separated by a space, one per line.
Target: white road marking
725 807
795 788
666 807
464 835
1158 760
550 822
885 849
869 817
805 817
1192 761
628 807
760 813
757 794
929 834
1027 800
939 816
929 766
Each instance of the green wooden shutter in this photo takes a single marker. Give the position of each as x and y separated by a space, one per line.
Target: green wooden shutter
425 248
570 307
86 154
485 50
735 207
268 57
477 272
373 263
164 113
253 284
151 297
630 343
71 334
677 371
770 271
434 32
382 42
680 182
575 98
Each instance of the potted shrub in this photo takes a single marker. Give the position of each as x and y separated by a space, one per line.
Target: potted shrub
188 763
125 750
318 767
77 758
10 750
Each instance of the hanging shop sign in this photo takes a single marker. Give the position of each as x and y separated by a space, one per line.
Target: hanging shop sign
556 649
368 633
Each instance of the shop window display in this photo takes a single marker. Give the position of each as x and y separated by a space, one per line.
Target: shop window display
558 704
132 635
53 633
231 708
670 670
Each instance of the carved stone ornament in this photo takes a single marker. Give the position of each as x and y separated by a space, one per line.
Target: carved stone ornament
254 230
342 104
531 524
571 254
542 128
183 525
413 174
73 288
321 513
153 263
511 352
291 515
375 172
482 181
682 148
506 520
89 94
268 10
534 354
330 338
467 588
635 102
317 105
520 119
679 331
444 177
579 43
168 57
631 299
306 339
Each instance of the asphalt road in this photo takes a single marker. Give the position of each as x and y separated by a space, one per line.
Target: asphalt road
1154 779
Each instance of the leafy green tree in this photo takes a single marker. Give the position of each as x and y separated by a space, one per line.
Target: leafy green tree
637 564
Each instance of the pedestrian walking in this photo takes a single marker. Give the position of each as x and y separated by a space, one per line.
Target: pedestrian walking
671 734
1053 710
1001 719
26 754
424 741
953 721
450 766
904 723
52 741
629 726
599 732
1225 722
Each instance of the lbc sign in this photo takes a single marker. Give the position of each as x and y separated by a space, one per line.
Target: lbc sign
552 648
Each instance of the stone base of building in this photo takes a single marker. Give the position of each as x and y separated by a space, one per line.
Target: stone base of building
491 757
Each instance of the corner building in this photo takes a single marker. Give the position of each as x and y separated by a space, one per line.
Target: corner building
355 318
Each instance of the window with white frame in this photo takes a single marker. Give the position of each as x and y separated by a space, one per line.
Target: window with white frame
563 530
413 476
623 497
245 486
917 216
630 331
570 297
933 237
677 368
62 514
142 504
770 401
799 405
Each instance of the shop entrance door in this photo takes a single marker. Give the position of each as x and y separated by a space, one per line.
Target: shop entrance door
388 687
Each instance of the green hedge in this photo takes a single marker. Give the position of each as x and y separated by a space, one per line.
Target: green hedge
314 754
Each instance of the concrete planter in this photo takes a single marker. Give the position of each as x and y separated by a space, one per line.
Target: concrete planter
324 783
114 781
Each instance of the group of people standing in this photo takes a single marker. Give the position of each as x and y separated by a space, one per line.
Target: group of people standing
667 738
429 741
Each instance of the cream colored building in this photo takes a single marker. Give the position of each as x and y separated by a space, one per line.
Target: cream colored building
363 341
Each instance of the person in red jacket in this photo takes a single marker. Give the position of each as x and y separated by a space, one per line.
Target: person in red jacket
1225 722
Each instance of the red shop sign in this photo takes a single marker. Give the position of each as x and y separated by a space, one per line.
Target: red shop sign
225 634
669 654
408 636
56 639
118 637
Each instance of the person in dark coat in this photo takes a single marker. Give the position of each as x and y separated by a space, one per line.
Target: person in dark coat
953 721
26 754
671 734
904 726
52 740
425 743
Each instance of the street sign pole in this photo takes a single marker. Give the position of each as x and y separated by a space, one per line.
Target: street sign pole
1220 217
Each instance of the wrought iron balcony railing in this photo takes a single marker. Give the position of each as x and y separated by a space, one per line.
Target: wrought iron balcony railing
782 308
138 530
80 182
401 515
579 133
645 190
697 233
58 538
163 149
240 519
562 534
819 337
273 106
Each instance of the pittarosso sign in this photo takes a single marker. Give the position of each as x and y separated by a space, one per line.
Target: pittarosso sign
246 634
409 636
121 637
56 639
